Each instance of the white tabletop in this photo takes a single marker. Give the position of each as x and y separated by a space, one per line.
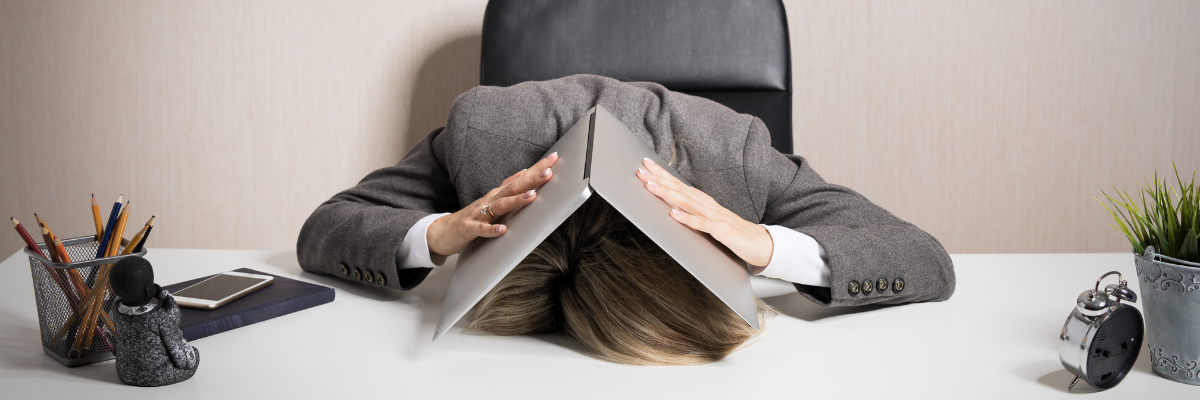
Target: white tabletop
996 338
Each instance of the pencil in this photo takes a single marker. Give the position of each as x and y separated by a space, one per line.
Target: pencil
135 244
102 245
28 239
112 219
138 239
129 249
96 219
118 233
47 240
60 254
114 243
146 236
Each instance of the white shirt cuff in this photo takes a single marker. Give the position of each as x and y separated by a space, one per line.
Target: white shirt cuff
796 257
414 250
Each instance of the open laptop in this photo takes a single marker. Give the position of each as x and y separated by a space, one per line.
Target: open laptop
597 156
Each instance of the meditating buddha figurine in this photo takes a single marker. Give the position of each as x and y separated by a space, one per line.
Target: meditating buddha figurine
150 348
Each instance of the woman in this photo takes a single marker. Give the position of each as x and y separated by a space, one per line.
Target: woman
597 279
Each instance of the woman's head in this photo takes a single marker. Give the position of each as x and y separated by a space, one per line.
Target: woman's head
602 282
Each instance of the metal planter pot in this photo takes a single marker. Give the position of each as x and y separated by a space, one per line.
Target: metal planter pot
1171 303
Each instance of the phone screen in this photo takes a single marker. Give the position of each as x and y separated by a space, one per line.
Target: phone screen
218 287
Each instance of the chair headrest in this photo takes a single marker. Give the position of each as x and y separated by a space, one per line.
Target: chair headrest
681 44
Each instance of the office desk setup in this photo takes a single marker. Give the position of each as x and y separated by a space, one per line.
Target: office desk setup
997 337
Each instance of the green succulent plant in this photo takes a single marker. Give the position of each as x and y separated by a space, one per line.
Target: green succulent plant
1171 226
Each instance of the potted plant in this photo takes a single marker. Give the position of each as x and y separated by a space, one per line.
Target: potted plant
1164 230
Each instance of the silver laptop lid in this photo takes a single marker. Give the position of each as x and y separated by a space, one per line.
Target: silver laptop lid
487 260
614 156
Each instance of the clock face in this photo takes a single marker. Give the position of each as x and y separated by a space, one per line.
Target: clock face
1115 347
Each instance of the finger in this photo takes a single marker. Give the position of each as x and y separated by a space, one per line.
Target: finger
484 229
652 171
514 176
659 173
672 197
689 220
532 178
505 205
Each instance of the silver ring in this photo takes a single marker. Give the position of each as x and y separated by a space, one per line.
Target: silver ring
487 210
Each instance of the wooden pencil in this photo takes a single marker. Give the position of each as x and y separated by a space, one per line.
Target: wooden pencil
145 236
60 256
135 244
97 305
96 219
112 220
28 239
60 276
47 240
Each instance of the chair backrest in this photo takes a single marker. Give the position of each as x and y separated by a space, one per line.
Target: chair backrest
734 52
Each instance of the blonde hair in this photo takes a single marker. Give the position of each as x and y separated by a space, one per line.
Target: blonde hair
600 281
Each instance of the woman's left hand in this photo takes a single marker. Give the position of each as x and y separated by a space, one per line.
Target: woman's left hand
698 210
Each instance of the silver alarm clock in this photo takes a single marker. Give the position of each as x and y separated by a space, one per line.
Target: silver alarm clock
1102 337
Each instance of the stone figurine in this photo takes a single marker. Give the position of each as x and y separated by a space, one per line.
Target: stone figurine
150 348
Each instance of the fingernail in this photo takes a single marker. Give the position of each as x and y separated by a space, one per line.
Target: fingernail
552 155
647 159
499 228
528 194
545 173
643 172
652 184
674 211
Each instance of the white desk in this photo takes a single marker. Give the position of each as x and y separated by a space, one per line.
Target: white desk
996 338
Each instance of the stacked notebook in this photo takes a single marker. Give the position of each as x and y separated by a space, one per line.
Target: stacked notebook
283 297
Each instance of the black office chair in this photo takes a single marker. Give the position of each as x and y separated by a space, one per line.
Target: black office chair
734 52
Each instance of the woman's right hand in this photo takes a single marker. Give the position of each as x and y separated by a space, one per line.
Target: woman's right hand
452 233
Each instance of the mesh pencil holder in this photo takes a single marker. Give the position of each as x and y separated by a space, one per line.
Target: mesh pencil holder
66 302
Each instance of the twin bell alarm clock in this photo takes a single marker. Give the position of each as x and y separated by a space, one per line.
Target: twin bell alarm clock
1102 337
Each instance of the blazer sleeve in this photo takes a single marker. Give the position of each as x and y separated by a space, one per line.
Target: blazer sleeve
873 256
354 235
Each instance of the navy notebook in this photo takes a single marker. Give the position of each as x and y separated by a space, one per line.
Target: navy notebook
285 296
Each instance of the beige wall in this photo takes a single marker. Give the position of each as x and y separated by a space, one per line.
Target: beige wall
986 123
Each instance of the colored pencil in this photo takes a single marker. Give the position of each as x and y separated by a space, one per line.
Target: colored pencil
60 255
47 240
135 244
60 277
96 219
102 245
146 236
73 275
112 220
25 236
118 233
114 244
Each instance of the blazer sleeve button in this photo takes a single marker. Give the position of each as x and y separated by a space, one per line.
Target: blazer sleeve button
369 277
882 285
357 274
380 279
343 269
898 285
868 286
854 288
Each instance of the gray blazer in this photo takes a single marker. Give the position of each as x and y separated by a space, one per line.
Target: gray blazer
493 132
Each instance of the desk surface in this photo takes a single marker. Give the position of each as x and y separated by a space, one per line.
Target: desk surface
996 338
